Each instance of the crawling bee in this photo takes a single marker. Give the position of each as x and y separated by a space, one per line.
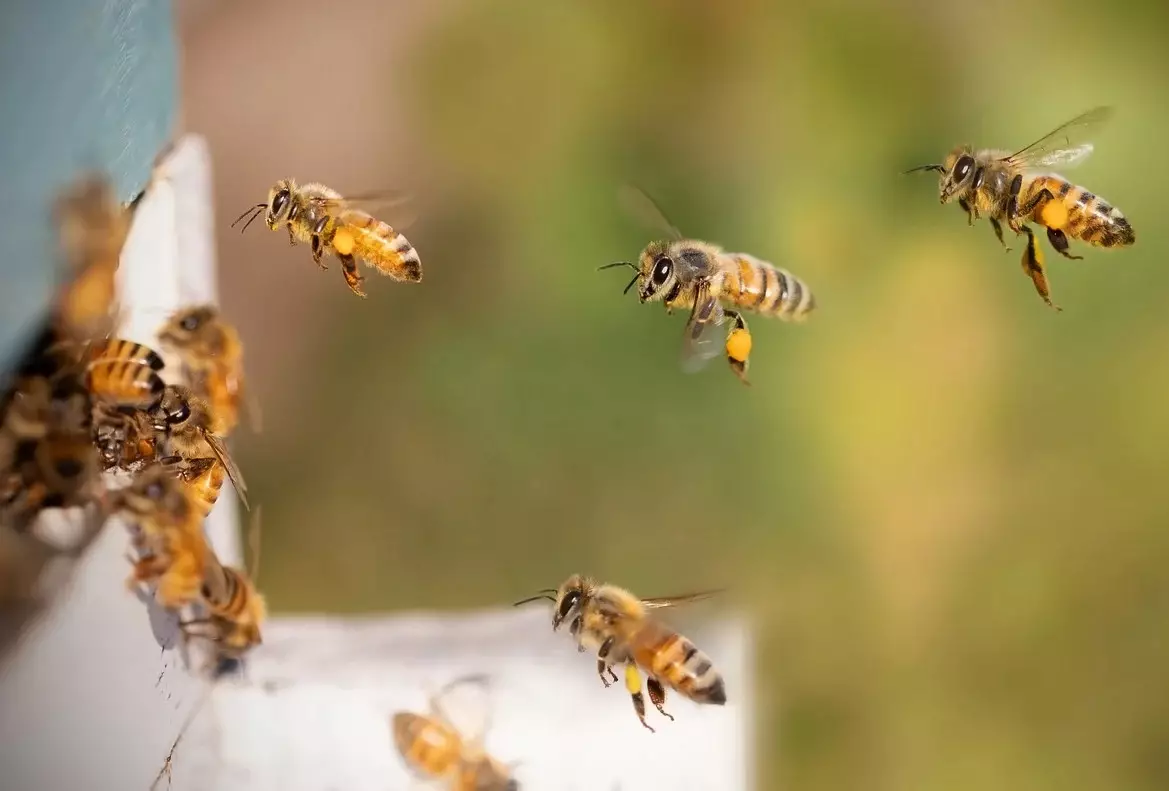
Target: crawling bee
687 273
619 627
236 609
212 359
189 439
167 532
1014 189
328 222
433 748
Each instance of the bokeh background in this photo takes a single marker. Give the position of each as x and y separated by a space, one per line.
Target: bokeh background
943 503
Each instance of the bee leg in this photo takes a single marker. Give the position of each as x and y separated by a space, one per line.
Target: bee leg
318 249
657 695
738 350
966 207
602 664
998 232
1059 241
633 686
1037 202
291 237
349 269
1033 267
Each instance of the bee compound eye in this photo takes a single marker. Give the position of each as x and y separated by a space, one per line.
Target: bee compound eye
662 269
962 168
279 201
190 323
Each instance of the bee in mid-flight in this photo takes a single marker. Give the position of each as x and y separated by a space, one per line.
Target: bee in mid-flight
619 628
434 748
1015 189
328 222
687 273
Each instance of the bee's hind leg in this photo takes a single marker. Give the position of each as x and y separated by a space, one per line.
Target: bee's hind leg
349 269
657 695
998 232
603 665
1033 267
738 347
1059 241
633 686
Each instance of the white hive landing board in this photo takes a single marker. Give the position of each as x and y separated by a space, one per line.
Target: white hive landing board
312 713
95 692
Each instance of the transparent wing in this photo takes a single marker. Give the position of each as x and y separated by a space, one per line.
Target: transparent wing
398 208
661 602
237 478
1065 145
700 340
464 703
642 208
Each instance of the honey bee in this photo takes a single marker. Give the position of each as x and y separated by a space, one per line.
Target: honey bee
212 359
618 626
167 532
235 608
715 285
328 222
433 748
125 374
92 228
1013 188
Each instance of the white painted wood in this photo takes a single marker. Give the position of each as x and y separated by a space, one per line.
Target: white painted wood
95 692
312 713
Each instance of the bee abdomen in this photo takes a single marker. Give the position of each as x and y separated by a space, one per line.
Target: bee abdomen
384 249
423 744
1091 219
121 349
787 298
125 382
680 664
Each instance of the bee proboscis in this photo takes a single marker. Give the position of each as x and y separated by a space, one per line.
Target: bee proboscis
621 629
328 222
717 286
1019 189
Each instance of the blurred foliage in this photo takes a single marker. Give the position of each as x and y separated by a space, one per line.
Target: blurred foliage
940 501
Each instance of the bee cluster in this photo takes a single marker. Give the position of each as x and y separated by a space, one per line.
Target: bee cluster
85 408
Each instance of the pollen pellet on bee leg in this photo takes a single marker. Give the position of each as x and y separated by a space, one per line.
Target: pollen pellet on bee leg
343 242
1054 214
739 345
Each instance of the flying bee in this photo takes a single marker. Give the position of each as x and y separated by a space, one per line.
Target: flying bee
189 434
619 627
433 747
328 222
167 532
1015 189
235 607
92 228
212 359
715 285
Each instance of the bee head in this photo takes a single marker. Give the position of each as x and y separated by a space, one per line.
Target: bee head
185 324
566 600
957 174
657 272
279 203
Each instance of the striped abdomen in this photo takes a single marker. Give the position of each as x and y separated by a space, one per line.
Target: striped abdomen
377 244
676 662
426 744
1079 214
204 485
126 383
764 288
121 349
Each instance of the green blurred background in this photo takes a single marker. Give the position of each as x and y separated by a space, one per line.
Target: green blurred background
942 503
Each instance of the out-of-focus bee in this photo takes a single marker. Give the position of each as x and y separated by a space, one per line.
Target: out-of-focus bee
433 748
618 626
1013 188
211 354
328 222
167 532
125 374
235 608
715 285
191 443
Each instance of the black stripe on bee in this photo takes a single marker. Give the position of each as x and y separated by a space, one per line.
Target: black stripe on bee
691 650
1065 188
703 667
793 287
1084 197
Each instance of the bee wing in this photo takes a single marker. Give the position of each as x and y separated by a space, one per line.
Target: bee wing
237 478
659 602
641 207
398 205
699 339
464 703
1066 144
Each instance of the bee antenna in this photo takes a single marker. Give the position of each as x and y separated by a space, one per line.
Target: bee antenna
919 168
629 264
534 598
255 211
